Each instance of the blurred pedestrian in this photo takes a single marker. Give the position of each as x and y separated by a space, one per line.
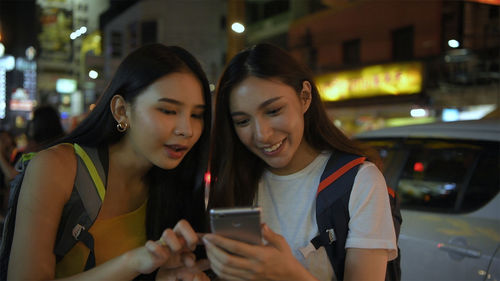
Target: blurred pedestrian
273 140
7 171
151 121
44 128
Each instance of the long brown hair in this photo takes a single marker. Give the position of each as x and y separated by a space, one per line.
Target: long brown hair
236 170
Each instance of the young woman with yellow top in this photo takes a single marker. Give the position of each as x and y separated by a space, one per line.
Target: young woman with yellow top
153 121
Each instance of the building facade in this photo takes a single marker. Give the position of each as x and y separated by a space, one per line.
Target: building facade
456 43
194 25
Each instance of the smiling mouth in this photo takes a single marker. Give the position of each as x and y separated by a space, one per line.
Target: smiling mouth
273 148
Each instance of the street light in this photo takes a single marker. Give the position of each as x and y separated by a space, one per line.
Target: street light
77 33
93 74
453 43
238 27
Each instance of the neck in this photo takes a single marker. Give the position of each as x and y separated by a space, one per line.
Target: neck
127 163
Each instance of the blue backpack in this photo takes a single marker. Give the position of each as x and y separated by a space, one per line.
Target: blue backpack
332 212
78 214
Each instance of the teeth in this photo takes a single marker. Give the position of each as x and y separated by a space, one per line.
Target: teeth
273 148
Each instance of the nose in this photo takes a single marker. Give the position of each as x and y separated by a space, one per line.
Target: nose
184 127
262 131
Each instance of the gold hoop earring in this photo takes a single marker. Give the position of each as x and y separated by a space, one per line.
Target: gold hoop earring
121 128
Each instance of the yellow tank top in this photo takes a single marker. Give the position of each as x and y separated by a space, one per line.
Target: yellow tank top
112 237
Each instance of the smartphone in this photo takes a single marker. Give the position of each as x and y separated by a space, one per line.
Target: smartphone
240 223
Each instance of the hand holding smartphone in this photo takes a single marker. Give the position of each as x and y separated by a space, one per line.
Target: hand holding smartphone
241 223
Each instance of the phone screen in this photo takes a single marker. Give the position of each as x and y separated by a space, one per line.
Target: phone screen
241 223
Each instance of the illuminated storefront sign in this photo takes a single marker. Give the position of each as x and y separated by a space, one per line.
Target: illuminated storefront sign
65 86
20 101
376 80
7 63
28 68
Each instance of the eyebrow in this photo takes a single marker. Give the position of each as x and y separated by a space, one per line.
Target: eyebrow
176 102
262 105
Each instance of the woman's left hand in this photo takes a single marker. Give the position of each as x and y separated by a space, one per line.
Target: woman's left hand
273 261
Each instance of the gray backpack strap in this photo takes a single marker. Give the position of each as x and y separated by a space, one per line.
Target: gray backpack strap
82 209
90 179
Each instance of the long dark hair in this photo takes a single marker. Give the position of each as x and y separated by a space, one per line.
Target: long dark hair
235 169
173 194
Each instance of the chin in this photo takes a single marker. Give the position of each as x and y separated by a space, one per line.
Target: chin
277 164
169 164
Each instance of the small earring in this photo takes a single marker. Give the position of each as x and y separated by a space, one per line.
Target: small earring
121 128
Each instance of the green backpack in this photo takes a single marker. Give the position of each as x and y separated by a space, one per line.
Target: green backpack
79 213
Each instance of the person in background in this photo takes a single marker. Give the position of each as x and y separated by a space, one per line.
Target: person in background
7 161
152 121
273 140
44 128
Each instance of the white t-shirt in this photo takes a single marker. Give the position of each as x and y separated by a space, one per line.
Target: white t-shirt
289 208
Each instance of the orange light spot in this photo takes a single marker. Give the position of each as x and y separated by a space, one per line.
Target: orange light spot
207 177
418 167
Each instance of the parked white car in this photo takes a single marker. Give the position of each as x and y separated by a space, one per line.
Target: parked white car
447 176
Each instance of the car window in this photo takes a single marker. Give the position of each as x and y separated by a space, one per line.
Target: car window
434 173
440 176
485 181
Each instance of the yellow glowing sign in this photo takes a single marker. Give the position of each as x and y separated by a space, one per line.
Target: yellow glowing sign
376 80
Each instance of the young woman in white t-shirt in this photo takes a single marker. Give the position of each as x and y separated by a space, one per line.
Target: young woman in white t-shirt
272 139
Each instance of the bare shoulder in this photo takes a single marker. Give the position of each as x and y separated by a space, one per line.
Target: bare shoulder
46 187
52 169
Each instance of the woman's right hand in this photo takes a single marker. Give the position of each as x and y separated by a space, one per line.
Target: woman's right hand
273 261
174 249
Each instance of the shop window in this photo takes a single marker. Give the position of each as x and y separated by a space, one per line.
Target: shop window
256 11
402 43
149 32
275 7
133 37
493 12
82 7
116 44
351 51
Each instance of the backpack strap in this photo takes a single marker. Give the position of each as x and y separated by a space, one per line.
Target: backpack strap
338 172
84 204
10 217
332 207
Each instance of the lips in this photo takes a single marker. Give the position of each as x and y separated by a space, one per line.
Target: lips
175 151
273 149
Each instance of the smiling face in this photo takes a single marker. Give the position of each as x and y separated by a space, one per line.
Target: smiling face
268 117
166 119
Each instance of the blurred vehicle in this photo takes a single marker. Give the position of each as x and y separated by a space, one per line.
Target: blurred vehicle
447 176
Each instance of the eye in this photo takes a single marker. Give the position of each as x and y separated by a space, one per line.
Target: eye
197 115
274 111
167 111
241 123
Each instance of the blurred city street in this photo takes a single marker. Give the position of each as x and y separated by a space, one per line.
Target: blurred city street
417 80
